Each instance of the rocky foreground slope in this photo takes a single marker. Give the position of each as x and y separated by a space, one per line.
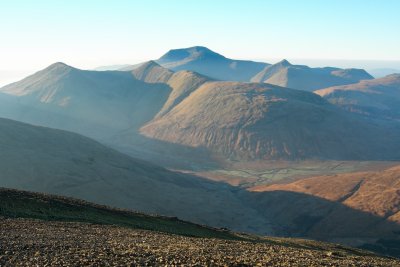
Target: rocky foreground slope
102 236
32 242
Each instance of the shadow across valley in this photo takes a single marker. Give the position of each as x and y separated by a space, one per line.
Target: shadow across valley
294 214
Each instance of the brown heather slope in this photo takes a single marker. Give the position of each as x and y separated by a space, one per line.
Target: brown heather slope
261 121
376 98
375 194
305 78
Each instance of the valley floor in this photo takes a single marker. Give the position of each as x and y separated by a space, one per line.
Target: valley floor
257 174
26 242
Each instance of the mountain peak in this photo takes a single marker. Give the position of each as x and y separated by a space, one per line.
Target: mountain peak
151 71
149 64
189 52
284 62
59 66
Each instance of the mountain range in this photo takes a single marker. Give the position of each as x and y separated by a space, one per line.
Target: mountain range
244 120
232 120
211 64
309 79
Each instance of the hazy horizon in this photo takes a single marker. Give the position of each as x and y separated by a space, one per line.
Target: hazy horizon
90 34
8 76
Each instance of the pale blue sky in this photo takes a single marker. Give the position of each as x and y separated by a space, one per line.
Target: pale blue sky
89 33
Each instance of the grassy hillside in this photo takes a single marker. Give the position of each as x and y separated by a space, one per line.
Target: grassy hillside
23 204
250 121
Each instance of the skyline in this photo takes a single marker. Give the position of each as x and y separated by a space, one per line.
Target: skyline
90 34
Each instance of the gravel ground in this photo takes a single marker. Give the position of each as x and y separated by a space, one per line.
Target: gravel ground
26 242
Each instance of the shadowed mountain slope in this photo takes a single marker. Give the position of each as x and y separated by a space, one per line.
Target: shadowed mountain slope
261 121
376 98
206 62
58 162
305 78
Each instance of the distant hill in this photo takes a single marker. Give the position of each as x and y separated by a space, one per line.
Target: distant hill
209 63
375 98
382 72
111 67
309 79
249 121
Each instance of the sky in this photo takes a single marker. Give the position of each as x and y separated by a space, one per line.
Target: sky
88 34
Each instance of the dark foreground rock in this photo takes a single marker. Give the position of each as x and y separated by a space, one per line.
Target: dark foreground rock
27 242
